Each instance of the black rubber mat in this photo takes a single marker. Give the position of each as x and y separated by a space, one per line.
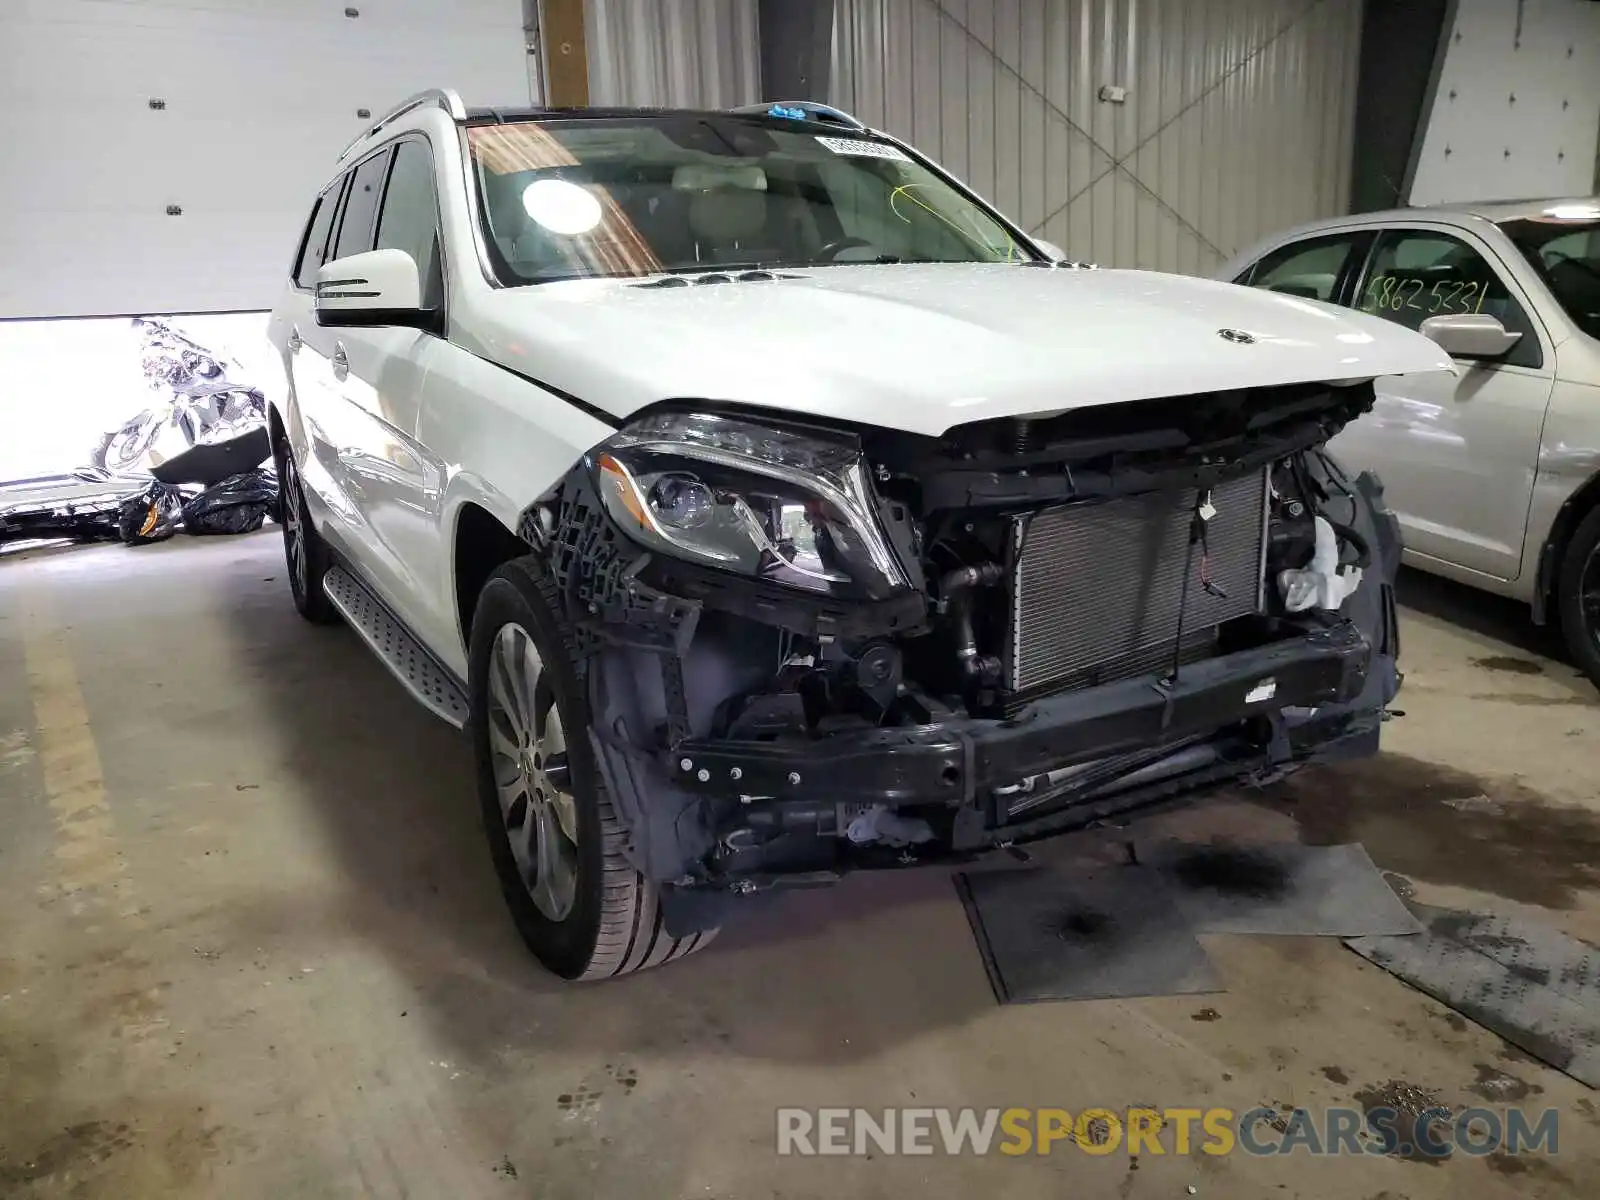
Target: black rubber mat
1279 888
1535 987
1050 935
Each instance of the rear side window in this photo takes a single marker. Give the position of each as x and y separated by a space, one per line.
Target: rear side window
410 221
314 244
1311 269
361 206
1420 273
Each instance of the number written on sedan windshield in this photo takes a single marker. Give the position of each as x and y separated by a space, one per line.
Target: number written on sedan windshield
1392 293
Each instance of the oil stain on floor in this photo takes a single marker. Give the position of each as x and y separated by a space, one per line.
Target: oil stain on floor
1446 826
1508 663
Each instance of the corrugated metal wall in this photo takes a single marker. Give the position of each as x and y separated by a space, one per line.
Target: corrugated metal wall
685 53
1237 122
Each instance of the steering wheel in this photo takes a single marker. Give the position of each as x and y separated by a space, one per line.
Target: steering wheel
838 246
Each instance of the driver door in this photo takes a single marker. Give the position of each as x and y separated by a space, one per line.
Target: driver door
1457 455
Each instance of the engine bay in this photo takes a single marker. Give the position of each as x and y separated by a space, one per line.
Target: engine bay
1105 557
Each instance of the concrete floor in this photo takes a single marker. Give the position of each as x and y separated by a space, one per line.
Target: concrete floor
250 945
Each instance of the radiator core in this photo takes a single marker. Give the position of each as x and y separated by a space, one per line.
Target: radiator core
1096 586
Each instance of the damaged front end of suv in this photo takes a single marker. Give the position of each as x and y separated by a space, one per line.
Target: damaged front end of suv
809 648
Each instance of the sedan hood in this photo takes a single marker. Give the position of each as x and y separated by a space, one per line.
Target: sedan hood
921 348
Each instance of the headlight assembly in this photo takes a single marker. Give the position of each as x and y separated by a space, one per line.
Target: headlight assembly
774 504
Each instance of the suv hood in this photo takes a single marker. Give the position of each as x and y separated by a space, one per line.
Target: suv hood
921 348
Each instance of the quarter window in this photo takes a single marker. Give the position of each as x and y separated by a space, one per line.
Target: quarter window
1311 269
314 245
409 220
361 206
1420 273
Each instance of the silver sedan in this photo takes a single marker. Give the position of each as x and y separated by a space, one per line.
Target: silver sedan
1495 473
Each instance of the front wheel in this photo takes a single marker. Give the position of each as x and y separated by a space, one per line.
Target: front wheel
1578 595
557 843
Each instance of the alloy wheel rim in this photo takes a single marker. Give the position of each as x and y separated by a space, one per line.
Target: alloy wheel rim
294 537
1589 596
528 752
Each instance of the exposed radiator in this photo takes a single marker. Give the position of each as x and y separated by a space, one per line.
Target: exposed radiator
1096 587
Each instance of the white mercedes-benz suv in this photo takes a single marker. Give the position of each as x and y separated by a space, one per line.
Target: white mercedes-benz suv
767 506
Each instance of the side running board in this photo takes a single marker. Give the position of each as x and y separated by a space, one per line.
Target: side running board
429 684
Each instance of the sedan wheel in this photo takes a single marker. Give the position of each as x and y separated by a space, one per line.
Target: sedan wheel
1589 597
1578 595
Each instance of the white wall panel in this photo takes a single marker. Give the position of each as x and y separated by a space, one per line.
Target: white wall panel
672 53
1237 122
1517 108
259 99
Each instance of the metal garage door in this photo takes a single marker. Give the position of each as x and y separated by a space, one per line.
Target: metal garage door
161 155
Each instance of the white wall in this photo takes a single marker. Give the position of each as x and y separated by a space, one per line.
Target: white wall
1517 110
260 96
672 53
1238 118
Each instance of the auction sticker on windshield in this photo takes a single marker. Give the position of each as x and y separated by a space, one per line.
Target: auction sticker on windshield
864 149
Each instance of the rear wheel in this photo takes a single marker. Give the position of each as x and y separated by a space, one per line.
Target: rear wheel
304 552
557 844
1578 595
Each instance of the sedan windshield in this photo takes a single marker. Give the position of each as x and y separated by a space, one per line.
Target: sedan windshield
1565 251
564 198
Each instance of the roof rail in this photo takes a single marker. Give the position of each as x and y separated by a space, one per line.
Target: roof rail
810 109
445 98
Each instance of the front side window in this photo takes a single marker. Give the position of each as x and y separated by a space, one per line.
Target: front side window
1566 254
561 199
1415 274
1310 269
410 220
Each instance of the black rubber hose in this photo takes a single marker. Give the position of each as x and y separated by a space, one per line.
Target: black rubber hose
1363 550
980 575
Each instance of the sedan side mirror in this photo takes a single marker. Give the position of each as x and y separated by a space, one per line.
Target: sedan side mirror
1469 335
1053 251
379 287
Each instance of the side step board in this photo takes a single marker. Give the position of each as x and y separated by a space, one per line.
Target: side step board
429 684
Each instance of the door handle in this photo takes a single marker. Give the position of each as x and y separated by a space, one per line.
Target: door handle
294 342
341 361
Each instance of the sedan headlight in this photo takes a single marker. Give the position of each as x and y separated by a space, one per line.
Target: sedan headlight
775 504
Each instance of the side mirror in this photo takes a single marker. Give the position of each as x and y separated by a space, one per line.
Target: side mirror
379 287
1469 335
1056 253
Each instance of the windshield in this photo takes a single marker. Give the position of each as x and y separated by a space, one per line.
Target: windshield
1566 253
639 195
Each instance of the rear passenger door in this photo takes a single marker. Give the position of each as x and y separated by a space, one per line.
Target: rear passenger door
305 372
1457 454
377 375
333 433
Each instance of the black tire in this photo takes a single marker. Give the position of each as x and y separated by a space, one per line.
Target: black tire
1580 577
615 924
305 579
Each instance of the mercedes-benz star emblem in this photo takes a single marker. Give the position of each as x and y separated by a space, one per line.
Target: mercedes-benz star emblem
1236 335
